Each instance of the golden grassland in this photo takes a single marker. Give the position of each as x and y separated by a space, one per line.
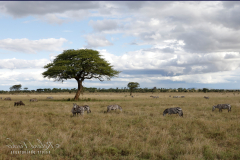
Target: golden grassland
140 131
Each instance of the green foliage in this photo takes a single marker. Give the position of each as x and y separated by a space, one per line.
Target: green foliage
16 87
205 90
79 64
132 86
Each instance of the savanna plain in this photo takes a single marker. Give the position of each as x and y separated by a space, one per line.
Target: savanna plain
140 131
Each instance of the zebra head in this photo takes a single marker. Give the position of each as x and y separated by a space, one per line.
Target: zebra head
75 105
165 112
213 108
120 108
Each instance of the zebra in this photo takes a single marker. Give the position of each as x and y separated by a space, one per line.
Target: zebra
182 96
222 106
8 98
114 107
175 110
19 103
33 100
87 108
154 96
49 97
175 96
77 109
206 97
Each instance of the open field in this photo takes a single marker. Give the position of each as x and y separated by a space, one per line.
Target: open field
138 132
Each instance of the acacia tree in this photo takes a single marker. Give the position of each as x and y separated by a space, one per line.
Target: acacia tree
16 87
132 86
79 65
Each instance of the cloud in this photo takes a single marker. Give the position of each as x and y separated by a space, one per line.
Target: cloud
21 9
189 41
103 25
156 62
94 41
32 46
22 64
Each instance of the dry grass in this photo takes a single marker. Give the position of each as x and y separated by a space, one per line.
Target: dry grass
139 132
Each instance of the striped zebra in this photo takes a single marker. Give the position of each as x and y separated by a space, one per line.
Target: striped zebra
206 97
222 106
175 110
175 96
77 109
182 96
33 100
49 97
114 107
87 108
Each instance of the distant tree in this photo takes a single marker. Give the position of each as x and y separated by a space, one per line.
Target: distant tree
132 86
16 87
26 88
205 90
79 65
180 89
40 90
154 89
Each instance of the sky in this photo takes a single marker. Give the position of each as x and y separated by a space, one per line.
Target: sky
161 44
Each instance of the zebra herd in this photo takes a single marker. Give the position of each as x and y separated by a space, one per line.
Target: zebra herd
19 102
177 110
80 109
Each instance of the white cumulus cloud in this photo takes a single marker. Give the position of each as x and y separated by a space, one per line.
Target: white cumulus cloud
32 46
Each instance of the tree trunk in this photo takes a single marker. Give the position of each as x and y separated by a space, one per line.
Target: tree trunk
79 89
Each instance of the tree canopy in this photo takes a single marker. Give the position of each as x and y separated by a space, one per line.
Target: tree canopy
79 65
132 86
16 87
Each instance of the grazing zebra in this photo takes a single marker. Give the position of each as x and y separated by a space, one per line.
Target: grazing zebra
33 100
8 99
175 110
175 96
49 97
206 97
19 103
222 106
77 109
182 96
114 107
87 108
